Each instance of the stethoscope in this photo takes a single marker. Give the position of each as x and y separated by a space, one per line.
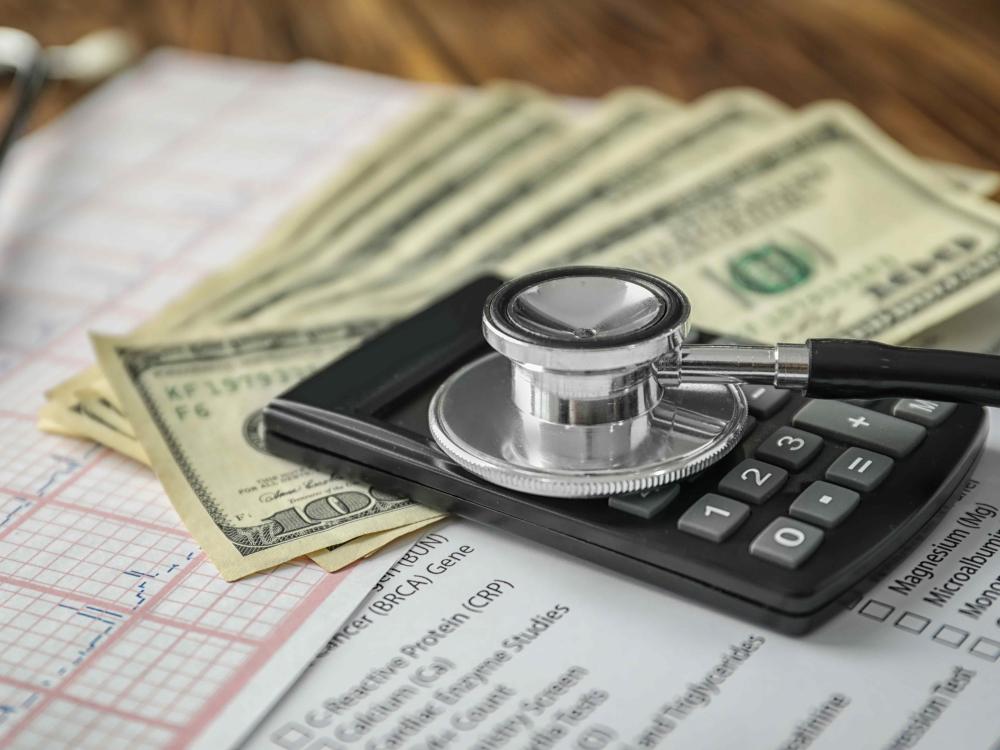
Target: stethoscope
592 390
89 59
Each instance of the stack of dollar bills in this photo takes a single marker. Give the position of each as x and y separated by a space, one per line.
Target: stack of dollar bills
779 224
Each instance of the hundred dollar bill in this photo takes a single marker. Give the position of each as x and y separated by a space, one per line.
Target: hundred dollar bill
111 434
339 557
649 158
330 559
624 117
825 227
480 126
93 402
709 129
73 420
404 153
343 199
339 258
196 408
974 330
972 179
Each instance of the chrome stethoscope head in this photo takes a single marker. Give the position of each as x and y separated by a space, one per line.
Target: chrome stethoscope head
571 404
592 390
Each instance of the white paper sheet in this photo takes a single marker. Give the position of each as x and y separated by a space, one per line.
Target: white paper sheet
510 645
115 630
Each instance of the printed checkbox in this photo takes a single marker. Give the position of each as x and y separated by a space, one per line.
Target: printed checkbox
986 648
912 623
876 610
950 636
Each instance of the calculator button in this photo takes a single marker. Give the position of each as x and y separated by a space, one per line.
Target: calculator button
790 448
922 411
714 517
645 504
824 504
860 470
787 542
859 426
753 481
764 400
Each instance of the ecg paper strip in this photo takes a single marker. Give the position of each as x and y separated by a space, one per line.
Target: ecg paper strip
115 631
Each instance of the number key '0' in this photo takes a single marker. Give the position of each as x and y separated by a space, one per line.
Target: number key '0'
786 542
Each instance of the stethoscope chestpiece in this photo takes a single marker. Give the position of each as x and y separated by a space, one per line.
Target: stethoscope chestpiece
570 404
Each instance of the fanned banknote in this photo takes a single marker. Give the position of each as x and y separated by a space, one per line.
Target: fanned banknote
196 408
824 227
779 224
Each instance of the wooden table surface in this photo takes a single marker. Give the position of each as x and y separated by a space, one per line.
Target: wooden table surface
928 71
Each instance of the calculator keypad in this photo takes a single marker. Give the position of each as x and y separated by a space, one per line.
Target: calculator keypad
836 479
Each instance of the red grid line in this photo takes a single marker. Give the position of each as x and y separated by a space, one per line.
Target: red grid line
199 629
284 628
16 415
110 709
42 588
112 516
133 621
22 684
167 263
56 296
139 169
169 149
102 454
221 697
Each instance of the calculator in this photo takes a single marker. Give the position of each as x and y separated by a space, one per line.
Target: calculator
816 502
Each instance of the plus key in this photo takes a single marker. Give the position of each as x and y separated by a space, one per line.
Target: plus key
858 426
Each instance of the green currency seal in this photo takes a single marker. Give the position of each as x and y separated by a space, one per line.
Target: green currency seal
771 268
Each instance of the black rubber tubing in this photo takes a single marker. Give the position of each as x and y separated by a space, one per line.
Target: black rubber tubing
845 368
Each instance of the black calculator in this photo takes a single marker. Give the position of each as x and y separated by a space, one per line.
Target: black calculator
819 498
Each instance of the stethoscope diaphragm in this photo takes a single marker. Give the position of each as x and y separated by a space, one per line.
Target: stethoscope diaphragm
569 405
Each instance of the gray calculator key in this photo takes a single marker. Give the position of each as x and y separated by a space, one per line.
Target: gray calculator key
859 469
922 411
753 481
786 542
790 448
714 517
764 400
860 426
824 504
645 504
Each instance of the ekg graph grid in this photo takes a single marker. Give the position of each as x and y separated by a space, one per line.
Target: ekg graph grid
115 631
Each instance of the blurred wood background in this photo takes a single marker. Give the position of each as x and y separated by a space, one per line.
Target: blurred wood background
928 71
